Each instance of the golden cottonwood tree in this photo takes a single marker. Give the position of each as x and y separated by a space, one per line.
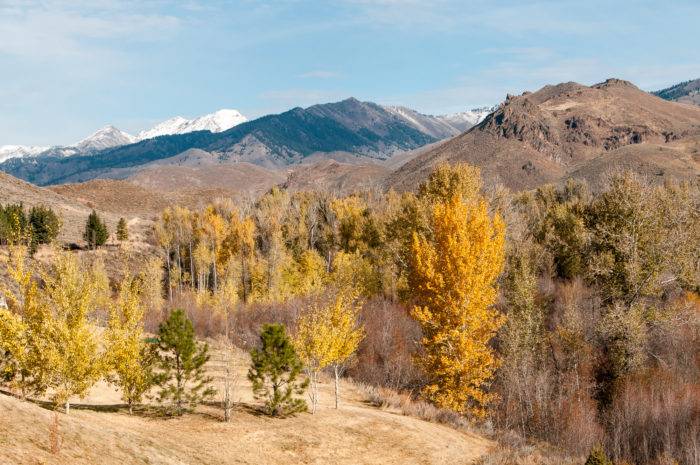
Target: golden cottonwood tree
328 335
72 292
130 360
27 329
453 283
448 181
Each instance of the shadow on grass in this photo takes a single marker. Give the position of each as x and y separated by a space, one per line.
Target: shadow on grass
146 410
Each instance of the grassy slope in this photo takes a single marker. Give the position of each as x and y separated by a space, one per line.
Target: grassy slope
100 431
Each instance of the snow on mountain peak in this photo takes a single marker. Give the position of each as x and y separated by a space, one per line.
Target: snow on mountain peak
218 121
471 117
104 138
17 151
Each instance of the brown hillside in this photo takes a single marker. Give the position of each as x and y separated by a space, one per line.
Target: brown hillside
118 197
544 136
334 176
72 212
228 178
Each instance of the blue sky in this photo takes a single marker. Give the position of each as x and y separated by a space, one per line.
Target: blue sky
68 67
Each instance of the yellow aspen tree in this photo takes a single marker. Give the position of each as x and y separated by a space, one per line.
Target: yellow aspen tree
213 227
72 292
304 276
269 220
239 245
452 280
225 299
27 329
151 277
350 214
447 181
327 336
13 332
129 358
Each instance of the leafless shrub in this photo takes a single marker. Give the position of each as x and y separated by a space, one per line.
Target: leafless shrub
385 356
246 323
656 417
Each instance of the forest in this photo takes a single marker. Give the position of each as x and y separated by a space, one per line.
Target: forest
567 314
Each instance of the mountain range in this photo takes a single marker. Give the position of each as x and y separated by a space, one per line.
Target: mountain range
109 136
685 92
351 127
559 131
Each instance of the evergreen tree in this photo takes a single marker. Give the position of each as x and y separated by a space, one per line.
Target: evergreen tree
122 230
96 233
274 371
183 380
44 225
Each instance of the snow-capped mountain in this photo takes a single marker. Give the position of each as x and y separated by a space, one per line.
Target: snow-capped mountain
467 119
441 126
109 136
16 151
104 138
218 121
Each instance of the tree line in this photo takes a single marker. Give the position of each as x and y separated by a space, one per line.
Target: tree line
566 314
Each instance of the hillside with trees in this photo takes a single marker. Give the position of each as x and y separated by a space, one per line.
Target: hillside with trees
562 317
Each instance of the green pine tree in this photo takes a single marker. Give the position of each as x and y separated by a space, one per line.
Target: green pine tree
274 371
122 230
96 233
598 457
44 224
183 381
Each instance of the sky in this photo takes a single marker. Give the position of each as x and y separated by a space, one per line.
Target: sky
69 67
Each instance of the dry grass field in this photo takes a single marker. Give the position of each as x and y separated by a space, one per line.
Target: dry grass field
100 431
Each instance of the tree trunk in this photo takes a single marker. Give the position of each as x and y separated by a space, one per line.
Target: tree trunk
313 392
191 267
170 289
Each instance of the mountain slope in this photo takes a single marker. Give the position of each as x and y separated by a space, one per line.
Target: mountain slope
351 126
442 126
685 92
541 137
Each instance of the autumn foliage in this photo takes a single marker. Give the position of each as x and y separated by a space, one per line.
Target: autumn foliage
453 284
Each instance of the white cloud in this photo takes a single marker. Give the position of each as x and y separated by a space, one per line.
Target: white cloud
55 30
